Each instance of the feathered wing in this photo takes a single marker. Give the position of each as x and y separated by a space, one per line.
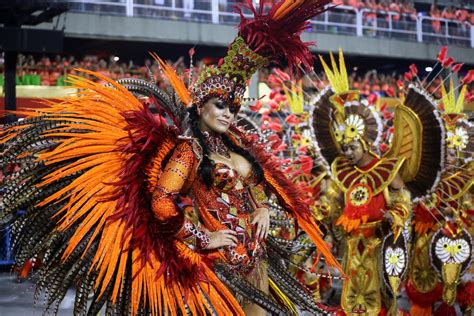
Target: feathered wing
407 140
418 137
288 196
92 160
320 123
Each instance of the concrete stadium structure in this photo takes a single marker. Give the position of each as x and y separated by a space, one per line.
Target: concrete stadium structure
112 27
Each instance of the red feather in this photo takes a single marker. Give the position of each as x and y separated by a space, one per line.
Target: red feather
257 106
271 37
448 62
400 84
442 54
413 70
457 67
468 78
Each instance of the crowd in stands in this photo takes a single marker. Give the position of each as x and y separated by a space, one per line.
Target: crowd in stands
52 72
380 18
48 71
460 15
373 84
404 11
401 10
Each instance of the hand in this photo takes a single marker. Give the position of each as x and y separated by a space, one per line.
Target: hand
222 238
261 218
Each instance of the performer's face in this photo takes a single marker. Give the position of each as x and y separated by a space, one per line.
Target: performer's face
353 152
216 116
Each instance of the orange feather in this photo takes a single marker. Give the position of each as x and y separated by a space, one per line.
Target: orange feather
177 84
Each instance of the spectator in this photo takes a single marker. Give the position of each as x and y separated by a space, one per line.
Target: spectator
356 4
51 72
383 16
409 11
436 24
371 16
395 11
408 18
448 13
461 16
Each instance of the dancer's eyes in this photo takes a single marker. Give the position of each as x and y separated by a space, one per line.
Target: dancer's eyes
234 109
220 104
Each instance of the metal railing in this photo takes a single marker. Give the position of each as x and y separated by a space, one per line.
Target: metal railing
386 24
338 20
448 31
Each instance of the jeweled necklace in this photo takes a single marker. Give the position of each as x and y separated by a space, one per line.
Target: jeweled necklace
216 145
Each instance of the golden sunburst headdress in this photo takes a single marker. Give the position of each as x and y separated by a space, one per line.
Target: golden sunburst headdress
459 131
352 119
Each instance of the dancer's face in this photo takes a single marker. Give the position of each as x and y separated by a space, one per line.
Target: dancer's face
216 116
353 152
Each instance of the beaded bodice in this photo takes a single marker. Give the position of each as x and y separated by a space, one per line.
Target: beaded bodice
229 202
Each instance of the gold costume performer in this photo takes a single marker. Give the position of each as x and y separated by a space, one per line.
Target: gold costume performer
442 246
369 196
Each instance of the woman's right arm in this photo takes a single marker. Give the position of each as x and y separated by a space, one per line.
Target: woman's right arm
171 182
164 200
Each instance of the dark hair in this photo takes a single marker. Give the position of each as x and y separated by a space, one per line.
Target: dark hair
206 165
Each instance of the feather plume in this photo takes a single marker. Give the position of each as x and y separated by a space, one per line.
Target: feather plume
337 76
277 33
450 104
173 79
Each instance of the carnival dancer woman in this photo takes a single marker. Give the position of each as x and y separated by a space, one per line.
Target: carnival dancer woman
105 179
228 193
